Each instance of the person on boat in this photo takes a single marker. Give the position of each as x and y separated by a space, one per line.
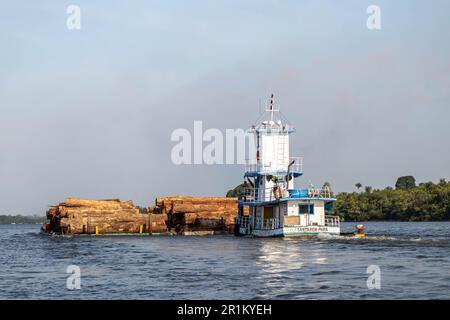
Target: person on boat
276 189
359 229
358 232
311 190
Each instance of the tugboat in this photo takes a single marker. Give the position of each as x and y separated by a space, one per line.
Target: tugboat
276 207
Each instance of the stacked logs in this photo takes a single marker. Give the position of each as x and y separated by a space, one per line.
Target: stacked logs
198 213
170 214
80 216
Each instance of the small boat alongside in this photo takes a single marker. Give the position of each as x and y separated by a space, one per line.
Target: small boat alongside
358 232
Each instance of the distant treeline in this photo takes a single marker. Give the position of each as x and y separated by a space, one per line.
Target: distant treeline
406 202
8 219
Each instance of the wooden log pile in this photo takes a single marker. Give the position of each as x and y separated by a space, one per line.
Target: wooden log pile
198 213
175 214
80 216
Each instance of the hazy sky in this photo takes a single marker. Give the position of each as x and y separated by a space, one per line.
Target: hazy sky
89 113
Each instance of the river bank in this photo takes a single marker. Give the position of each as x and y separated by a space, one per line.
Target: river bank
426 202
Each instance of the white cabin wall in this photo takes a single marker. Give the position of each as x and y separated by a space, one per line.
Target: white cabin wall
267 151
267 187
293 208
286 149
319 212
283 150
291 183
303 219
273 145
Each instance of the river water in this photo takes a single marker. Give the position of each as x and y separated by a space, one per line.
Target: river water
413 259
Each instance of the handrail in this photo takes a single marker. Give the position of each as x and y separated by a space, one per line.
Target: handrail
332 221
253 195
267 224
243 221
253 165
297 166
319 193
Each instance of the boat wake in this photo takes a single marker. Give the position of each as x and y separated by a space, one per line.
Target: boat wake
388 239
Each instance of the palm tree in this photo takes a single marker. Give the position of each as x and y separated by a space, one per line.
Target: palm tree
358 185
326 185
327 188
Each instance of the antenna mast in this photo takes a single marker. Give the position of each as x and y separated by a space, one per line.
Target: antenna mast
272 100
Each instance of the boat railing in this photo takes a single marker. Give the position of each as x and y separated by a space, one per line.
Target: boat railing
251 165
320 193
267 224
332 221
297 166
254 165
253 195
242 221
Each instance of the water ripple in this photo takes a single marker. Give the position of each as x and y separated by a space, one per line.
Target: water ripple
414 259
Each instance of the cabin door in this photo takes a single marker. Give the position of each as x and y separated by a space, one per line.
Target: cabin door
268 213
268 217
307 209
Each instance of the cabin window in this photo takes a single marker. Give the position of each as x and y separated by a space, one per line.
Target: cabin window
304 208
328 206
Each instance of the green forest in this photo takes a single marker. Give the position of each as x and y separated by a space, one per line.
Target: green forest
19 219
406 202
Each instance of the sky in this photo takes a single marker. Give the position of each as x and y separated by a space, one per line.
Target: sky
89 113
